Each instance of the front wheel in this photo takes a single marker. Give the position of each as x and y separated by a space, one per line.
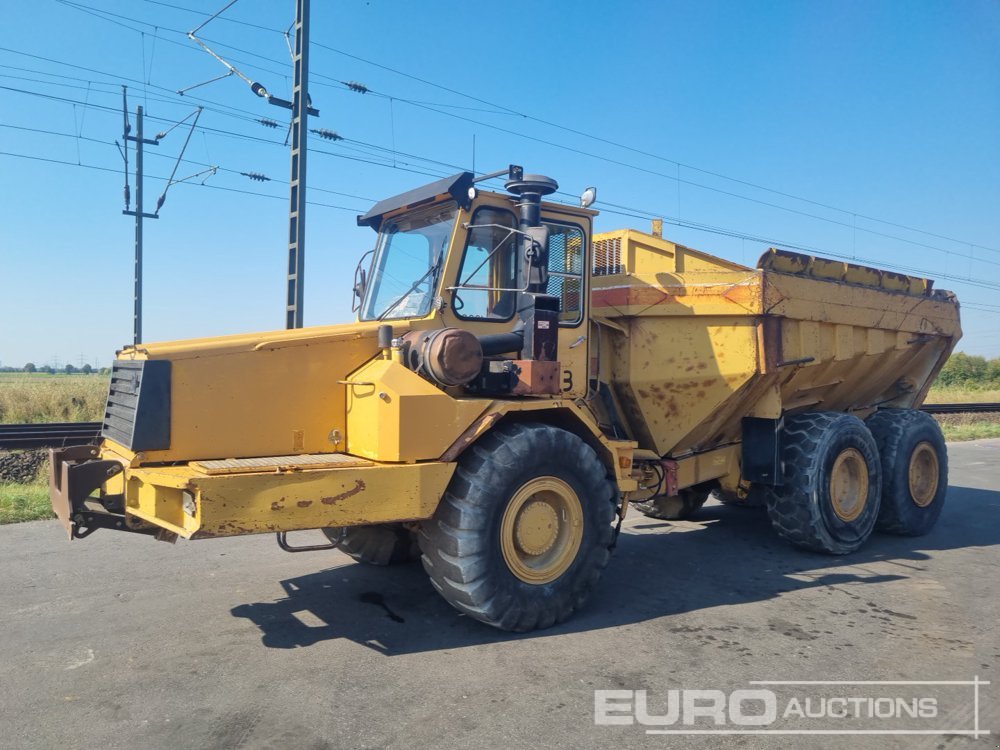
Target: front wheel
524 529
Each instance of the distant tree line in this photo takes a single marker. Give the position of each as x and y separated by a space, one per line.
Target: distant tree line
68 369
970 371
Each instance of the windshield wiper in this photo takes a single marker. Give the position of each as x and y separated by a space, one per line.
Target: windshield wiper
432 271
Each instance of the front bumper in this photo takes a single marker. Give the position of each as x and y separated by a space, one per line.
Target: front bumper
94 488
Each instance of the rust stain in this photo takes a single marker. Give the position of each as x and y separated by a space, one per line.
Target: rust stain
359 486
304 503
277 505
671 408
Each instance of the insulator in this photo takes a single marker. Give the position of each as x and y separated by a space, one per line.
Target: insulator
330 135
359 88
257 176
268 123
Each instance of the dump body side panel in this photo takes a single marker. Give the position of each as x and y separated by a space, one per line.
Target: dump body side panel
692 344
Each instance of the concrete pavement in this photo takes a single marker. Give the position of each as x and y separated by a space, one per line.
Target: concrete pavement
118 641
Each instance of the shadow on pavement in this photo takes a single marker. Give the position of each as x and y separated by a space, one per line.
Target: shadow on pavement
726 556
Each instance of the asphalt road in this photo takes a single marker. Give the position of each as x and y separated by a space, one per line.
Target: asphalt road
120 641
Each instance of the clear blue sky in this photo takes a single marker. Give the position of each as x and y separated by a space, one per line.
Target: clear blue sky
886 110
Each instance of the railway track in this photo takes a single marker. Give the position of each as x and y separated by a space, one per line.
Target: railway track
47 435
982 408
57 434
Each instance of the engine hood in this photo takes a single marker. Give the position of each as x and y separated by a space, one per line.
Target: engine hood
261 394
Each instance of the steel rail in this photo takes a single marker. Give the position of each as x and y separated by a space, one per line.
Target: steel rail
48 435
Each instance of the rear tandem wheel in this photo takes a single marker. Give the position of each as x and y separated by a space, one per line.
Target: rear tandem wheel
832 484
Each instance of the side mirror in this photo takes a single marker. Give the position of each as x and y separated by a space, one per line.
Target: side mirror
360 283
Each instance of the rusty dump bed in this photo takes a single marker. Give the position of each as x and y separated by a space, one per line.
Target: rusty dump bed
690 344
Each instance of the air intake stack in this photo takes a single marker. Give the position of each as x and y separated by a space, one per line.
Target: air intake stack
538 311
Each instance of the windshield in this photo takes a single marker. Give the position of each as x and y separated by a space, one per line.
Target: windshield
411 251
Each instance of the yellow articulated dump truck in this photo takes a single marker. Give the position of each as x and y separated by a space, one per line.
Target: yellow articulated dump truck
512 384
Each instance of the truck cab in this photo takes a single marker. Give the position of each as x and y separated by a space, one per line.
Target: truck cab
452 255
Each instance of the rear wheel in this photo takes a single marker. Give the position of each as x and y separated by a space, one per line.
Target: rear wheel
829 500
523 532
677 507
386 544
914 470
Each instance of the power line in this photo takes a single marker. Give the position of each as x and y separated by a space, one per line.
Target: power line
704 228
642 214
674 178
844 224
677 179
193 162
804 248
155 177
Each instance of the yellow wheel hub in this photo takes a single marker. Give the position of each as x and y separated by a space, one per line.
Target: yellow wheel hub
924 474
541 530
849 484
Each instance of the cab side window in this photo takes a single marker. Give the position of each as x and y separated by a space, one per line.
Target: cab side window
566 270
489 274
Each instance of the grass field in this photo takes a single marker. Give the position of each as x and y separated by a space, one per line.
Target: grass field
962 395
38 397
24 502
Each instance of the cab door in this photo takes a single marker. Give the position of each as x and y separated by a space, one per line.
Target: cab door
569 240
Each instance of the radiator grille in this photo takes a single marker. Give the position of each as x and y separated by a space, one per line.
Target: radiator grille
608 257
137 414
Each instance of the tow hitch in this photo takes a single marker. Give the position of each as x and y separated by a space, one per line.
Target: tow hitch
74 474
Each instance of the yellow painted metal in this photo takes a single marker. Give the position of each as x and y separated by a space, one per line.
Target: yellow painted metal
393 414
541 530
277 392
260 395
693 343
266 428
574 340
708 465
849 484
574 416
265 501
924 474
